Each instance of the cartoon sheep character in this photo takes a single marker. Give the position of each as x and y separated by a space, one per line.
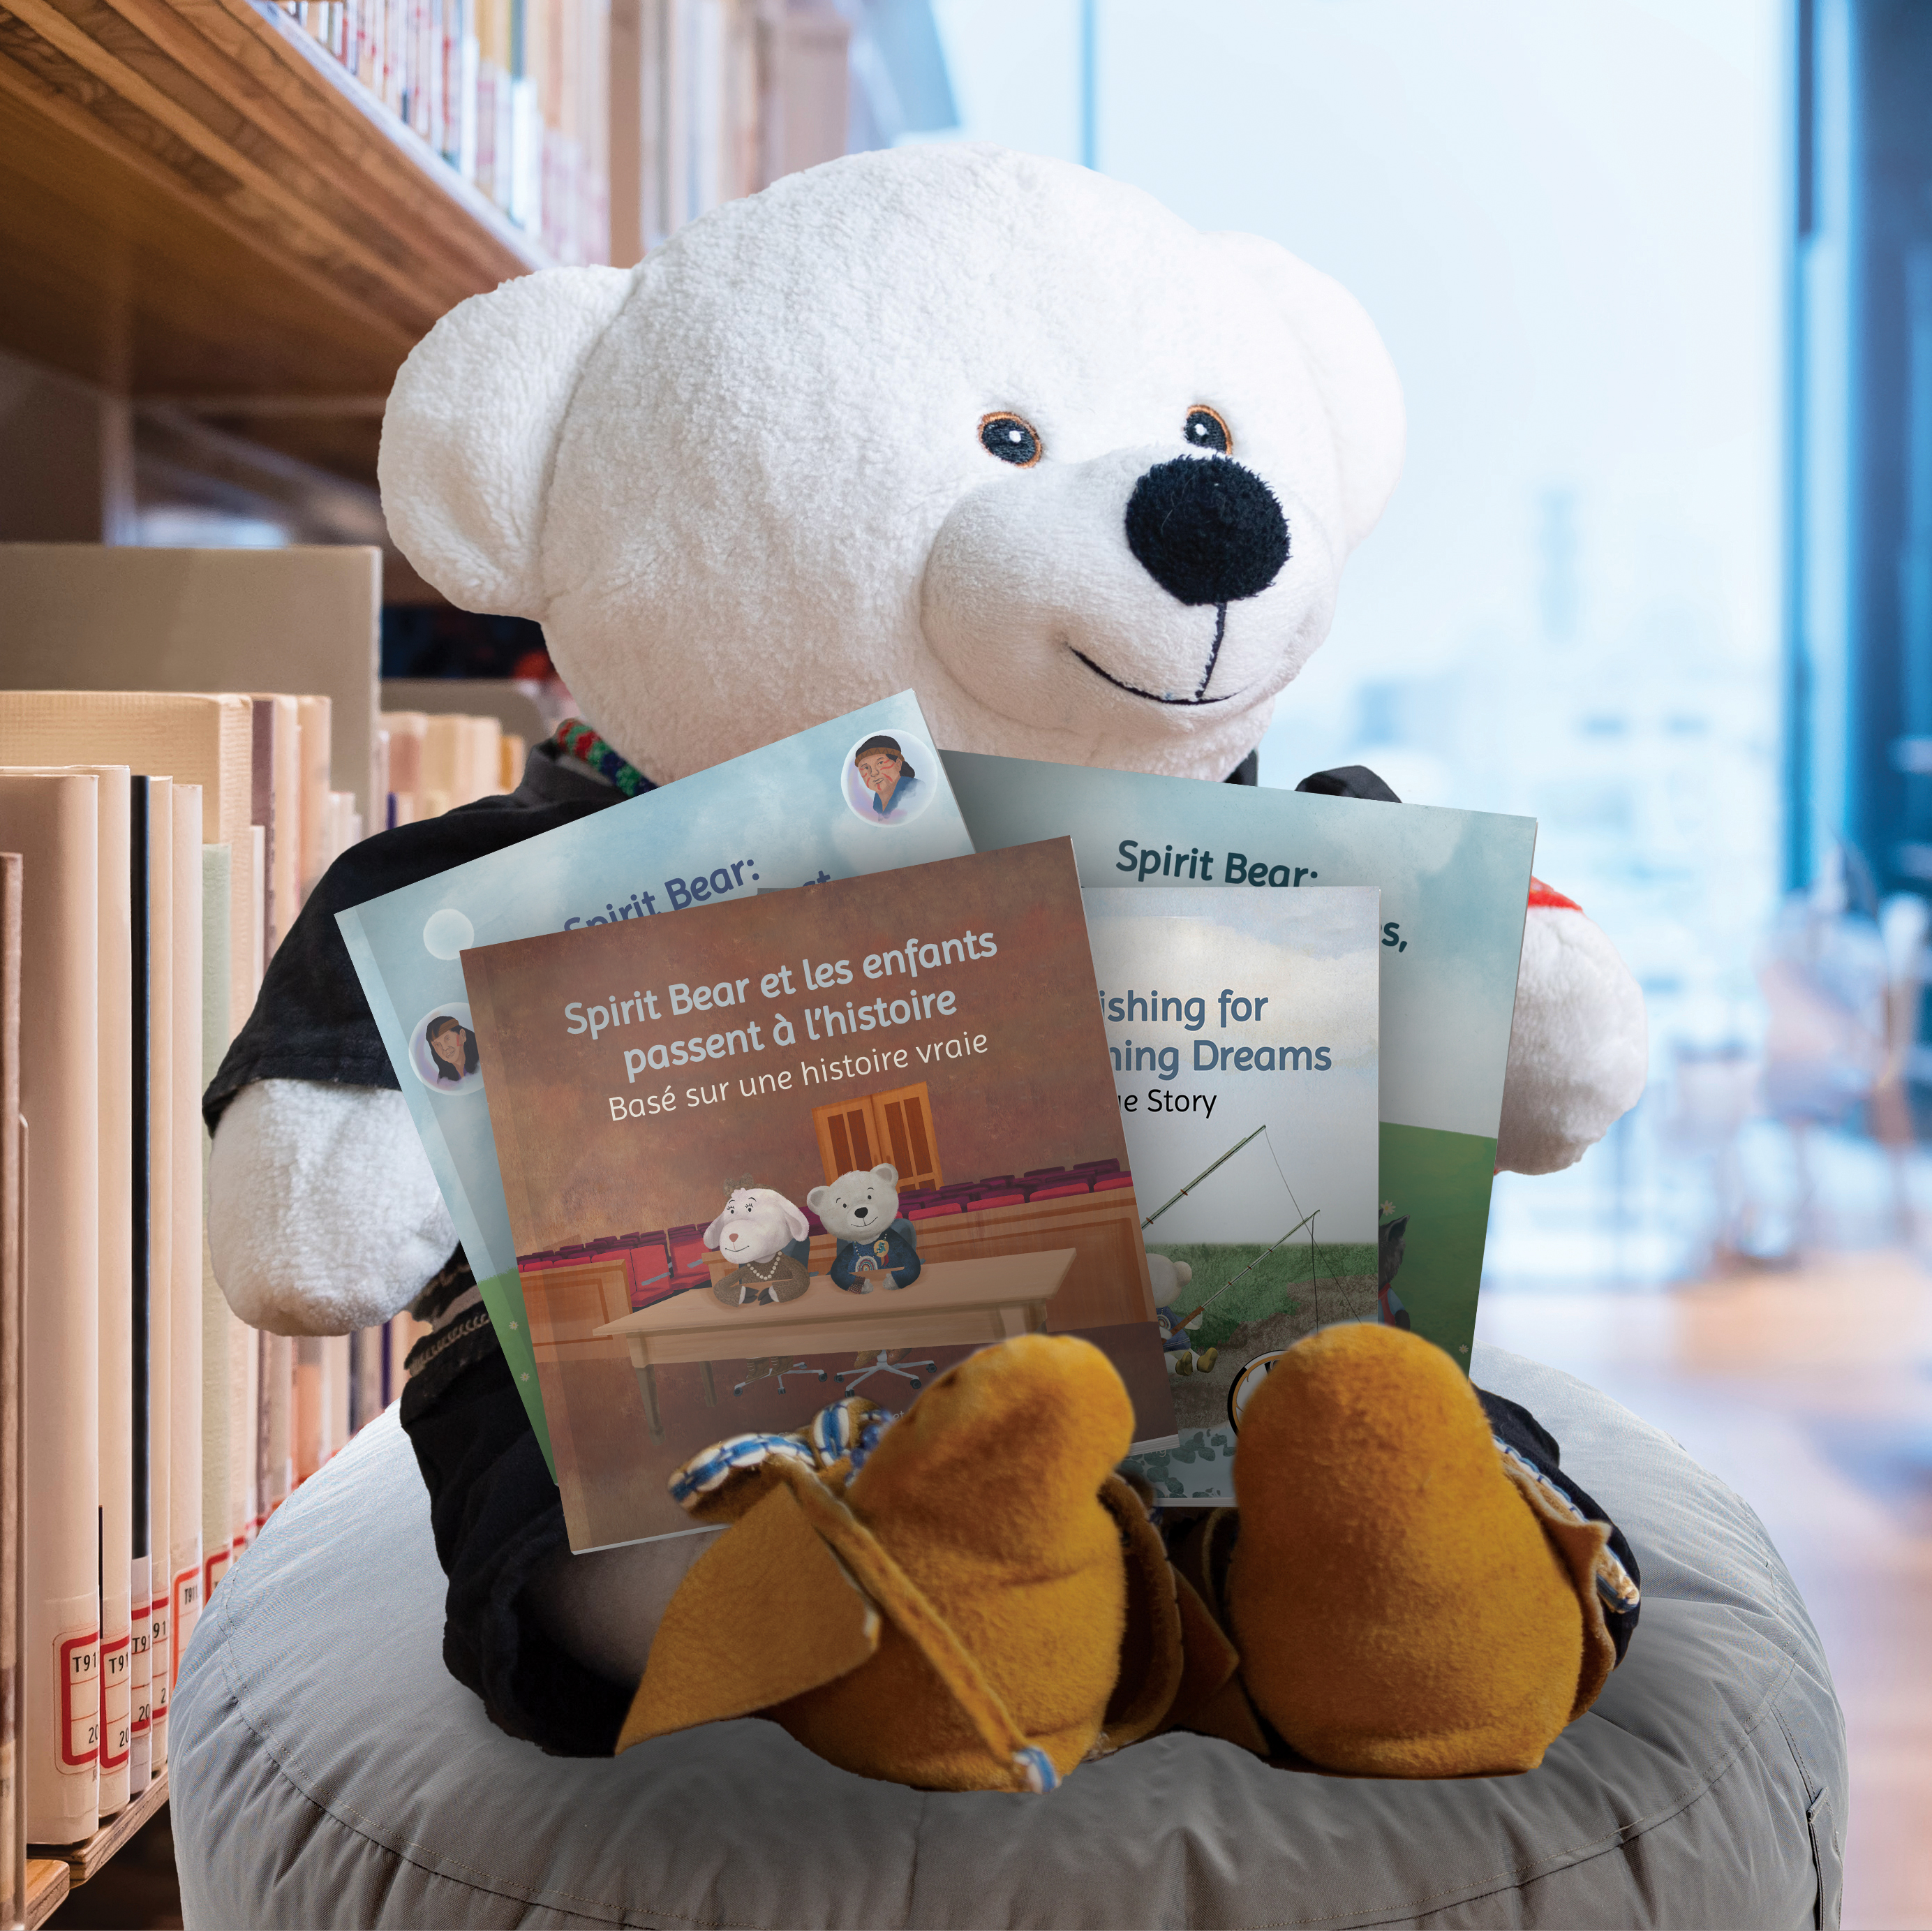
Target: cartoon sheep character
756 1232
876 1248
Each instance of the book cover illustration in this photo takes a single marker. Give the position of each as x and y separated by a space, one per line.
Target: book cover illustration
864 793
818 1141
1455 887
1242 1029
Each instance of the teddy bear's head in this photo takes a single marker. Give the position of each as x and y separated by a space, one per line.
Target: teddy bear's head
977 423
757 1223
858 1206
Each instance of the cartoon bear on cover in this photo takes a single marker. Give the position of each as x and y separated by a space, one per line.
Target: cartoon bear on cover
876 1248
979 424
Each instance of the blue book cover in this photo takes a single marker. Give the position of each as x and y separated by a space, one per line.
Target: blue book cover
1243 1028
828 803
1455 889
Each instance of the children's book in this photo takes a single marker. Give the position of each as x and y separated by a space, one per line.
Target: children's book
863 794
1455 887
1242 1028
809 1144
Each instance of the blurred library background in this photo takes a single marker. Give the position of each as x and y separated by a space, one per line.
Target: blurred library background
1657 278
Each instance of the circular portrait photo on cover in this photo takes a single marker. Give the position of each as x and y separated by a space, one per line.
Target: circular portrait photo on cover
890 778
443 1049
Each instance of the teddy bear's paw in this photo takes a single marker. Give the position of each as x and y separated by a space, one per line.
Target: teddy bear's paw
1579 1042
323 1216
1399 1610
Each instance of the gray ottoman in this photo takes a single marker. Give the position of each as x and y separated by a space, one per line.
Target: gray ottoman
326 1770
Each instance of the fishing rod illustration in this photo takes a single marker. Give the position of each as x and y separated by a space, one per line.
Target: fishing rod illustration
1201 1175
1247 1270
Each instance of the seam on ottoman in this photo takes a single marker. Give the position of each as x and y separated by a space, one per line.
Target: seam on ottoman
359 1825
1473 1889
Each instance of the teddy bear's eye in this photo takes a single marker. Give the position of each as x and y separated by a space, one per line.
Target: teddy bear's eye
1012 438
1207 429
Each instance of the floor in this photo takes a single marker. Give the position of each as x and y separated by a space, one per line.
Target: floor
1810 1392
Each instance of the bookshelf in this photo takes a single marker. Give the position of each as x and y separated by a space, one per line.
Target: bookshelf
85 1859
48 1882
197 201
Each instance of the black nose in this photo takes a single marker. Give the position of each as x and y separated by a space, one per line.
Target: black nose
1207 531
859 1213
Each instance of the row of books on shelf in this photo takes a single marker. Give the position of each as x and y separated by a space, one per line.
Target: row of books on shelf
513 94
437 761
154 849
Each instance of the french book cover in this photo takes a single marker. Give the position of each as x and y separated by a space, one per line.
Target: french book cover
822 1141
863 793
1243 1031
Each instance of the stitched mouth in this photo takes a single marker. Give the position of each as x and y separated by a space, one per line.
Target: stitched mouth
1156 697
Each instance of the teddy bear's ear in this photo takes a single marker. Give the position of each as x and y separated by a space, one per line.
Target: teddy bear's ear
1357 381
472 428
817 1199
889 1175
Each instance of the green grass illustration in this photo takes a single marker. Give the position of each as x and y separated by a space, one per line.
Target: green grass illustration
1288 1278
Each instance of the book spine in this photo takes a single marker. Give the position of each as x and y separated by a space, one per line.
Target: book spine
217 1320
139 1609
243 1434
335 1355
261 1385
139 1092
281 1420
115 1368
468 98
162 945
306 1431
179 1593
54 821
13 1817
315 734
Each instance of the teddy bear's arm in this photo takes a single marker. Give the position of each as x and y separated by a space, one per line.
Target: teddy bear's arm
323 1216
1578 1045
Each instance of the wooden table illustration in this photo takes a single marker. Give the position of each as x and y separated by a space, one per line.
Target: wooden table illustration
953 1304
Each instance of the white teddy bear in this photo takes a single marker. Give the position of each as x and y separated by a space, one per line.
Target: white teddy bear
987 426
876 1248
981 423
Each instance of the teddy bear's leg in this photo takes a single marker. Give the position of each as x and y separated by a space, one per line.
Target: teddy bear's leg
323 1216
1399 1608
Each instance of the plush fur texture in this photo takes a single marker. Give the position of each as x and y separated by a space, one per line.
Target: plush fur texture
761 448
1578 1044
1399 1611
977 1600
323 1214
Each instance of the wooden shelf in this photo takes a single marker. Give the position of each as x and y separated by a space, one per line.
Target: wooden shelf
197 201
48 1882
81 1861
